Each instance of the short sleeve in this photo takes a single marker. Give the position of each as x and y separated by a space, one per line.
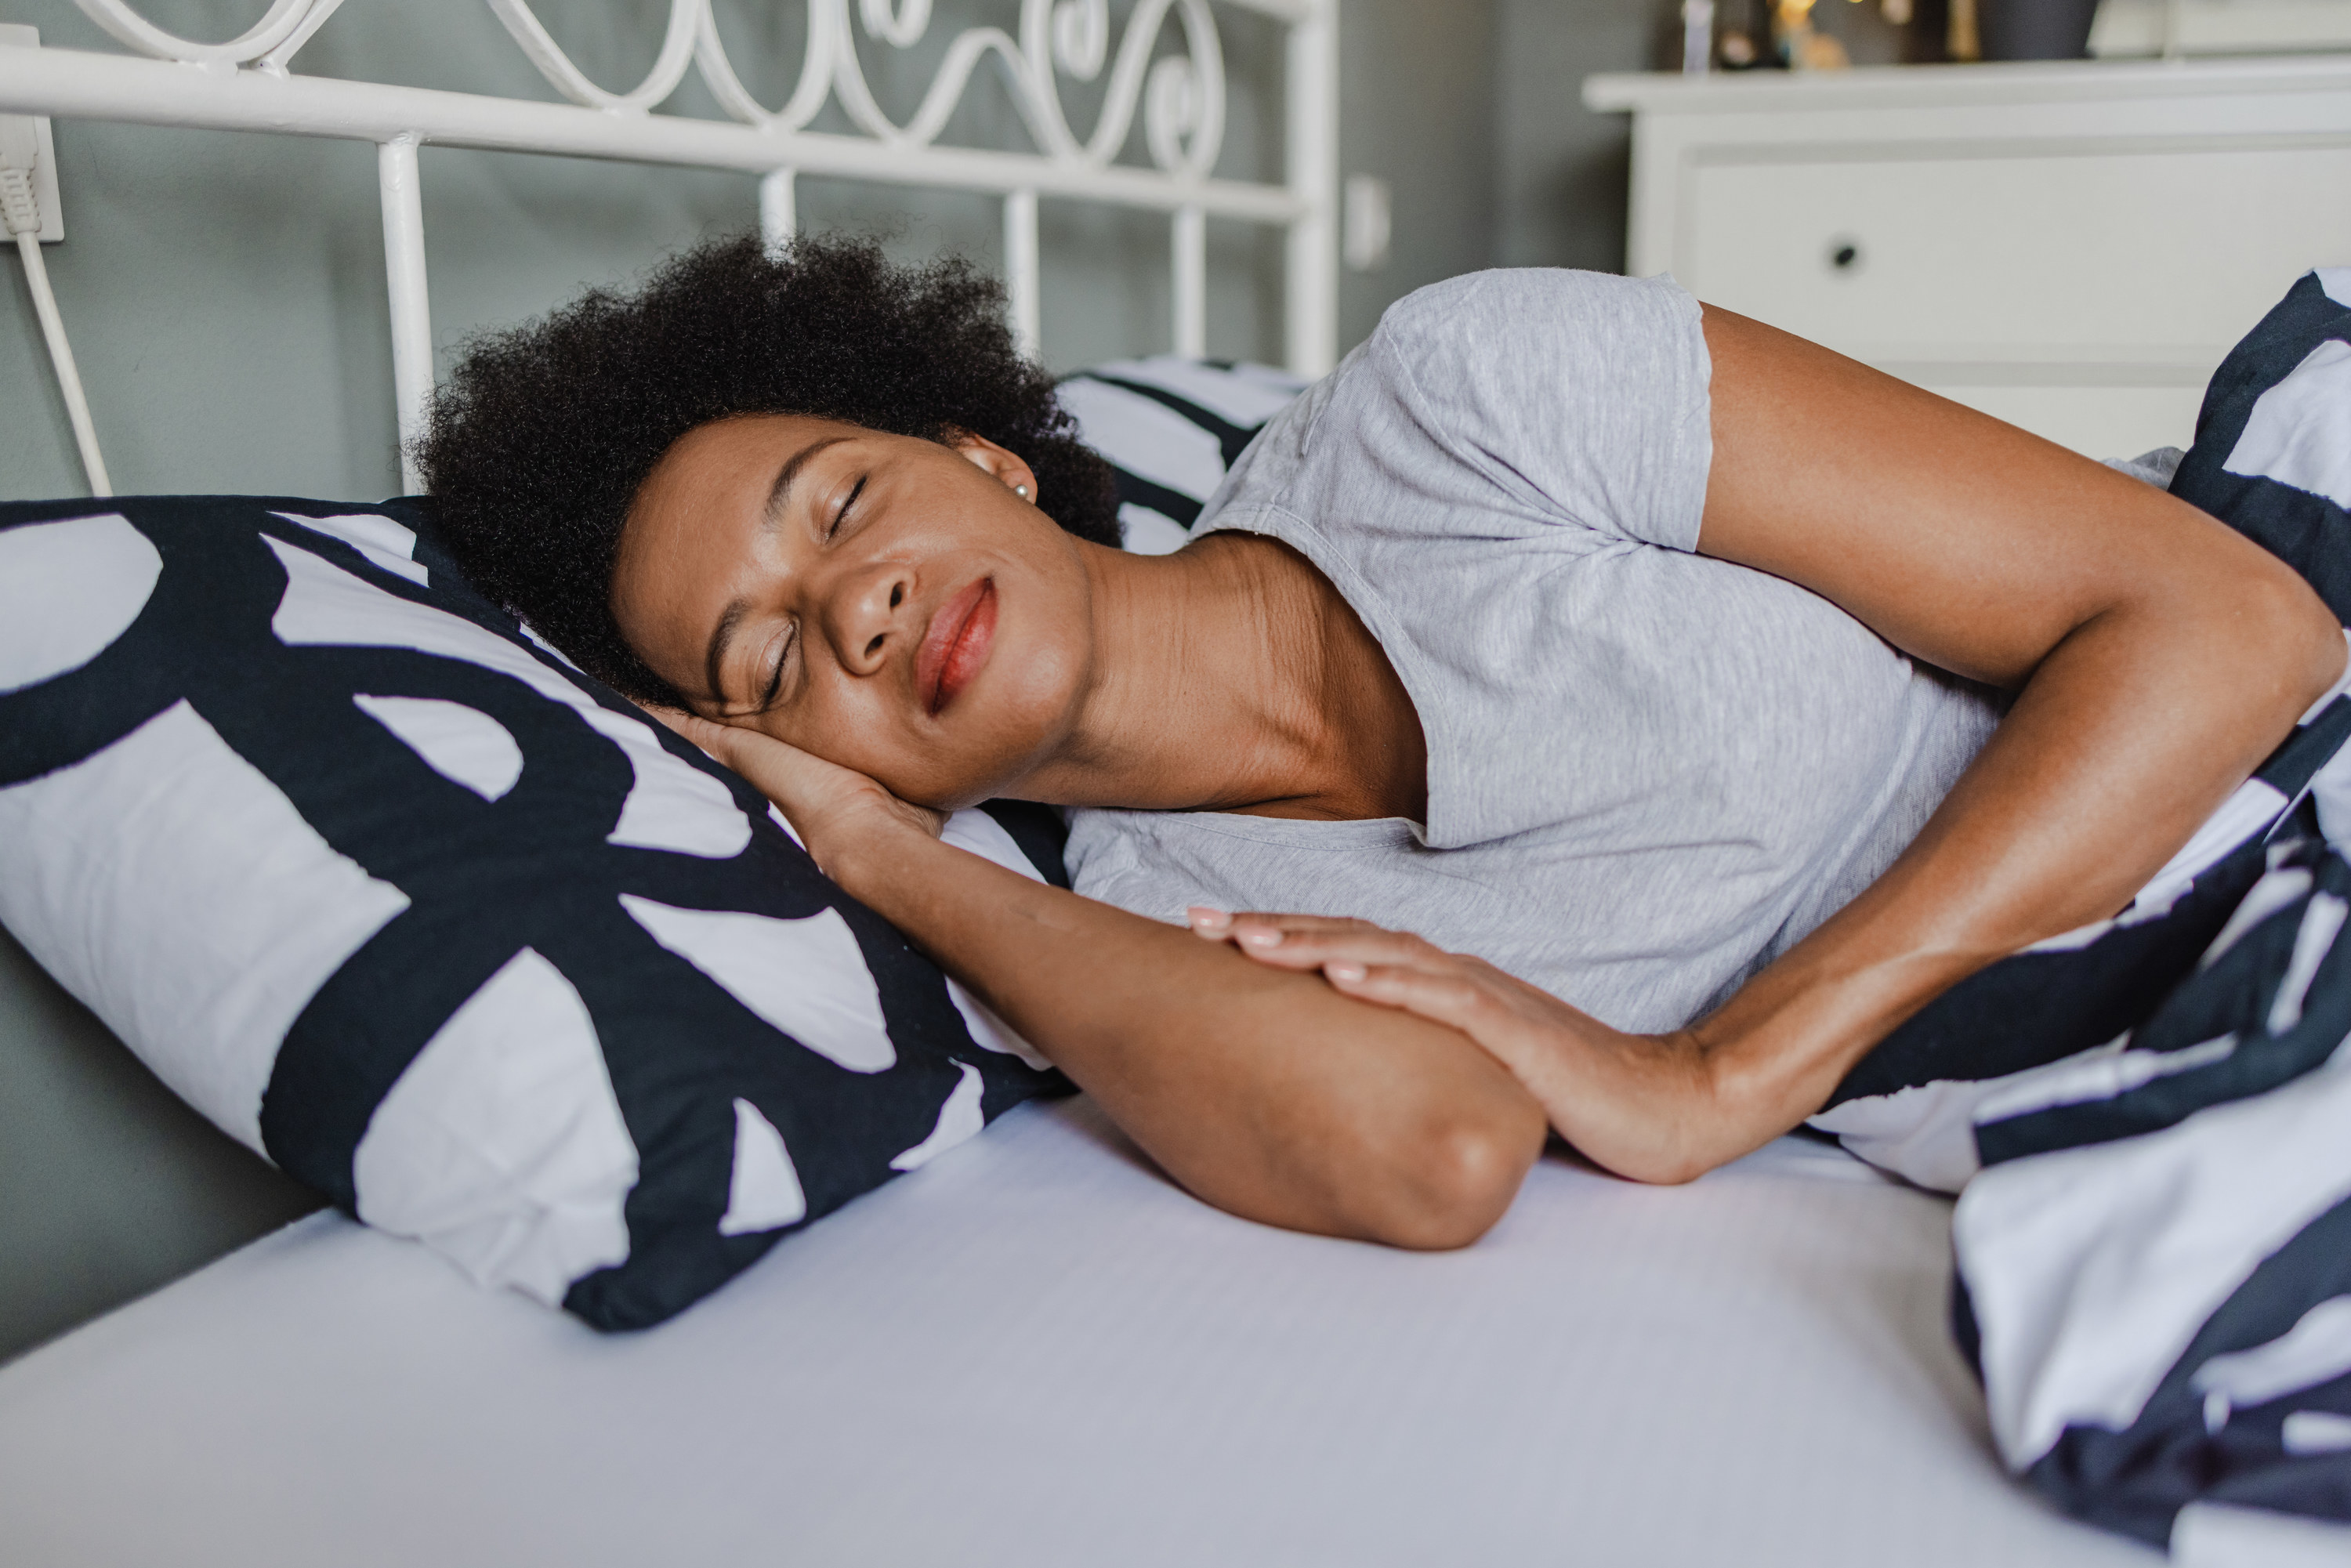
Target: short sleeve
1582 395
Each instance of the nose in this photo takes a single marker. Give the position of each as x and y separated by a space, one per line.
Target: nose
871 609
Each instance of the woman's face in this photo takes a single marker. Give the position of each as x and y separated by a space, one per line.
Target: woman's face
888 603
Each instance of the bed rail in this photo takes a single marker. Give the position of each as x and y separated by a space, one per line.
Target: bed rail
247 84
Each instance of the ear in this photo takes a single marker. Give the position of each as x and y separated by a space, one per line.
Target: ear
1004 467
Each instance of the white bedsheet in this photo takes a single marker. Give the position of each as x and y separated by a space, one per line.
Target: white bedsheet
1036 1352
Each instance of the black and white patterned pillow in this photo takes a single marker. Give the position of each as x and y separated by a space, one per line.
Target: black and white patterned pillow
1171 427
449 931
401 900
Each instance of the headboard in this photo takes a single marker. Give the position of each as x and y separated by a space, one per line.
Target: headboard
111 1187
248 83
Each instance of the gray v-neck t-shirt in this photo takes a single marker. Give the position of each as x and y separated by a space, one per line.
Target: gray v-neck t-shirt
1649 772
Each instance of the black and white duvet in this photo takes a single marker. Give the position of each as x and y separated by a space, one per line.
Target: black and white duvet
2148 1120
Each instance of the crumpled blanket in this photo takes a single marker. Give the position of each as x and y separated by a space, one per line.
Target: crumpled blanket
2148 1120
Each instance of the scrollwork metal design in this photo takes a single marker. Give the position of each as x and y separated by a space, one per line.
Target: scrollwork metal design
1181 96
284 28
1081 37
677 53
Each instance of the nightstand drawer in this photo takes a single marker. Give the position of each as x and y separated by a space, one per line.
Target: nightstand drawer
2117 255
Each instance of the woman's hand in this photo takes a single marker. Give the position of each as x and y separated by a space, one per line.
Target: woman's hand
1261 1092
1645 1106
837 812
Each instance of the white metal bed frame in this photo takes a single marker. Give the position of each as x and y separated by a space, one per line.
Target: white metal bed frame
246 84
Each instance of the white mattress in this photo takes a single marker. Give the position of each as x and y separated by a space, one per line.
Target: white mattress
1036 1352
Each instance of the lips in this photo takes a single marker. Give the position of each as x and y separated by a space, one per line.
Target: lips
956 645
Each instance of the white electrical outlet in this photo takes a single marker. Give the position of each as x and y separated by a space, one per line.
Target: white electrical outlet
45 165
1365 222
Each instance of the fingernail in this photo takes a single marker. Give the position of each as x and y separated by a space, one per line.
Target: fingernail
1343 971
1259 936
1207 919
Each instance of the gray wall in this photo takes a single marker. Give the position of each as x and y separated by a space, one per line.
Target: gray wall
225 298
1418 110
1560 170
109 1185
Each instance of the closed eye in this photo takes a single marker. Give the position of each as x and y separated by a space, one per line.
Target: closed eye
776 674
855 490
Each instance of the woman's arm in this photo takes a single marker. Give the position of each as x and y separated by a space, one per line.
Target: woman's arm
1267 1094
2158 657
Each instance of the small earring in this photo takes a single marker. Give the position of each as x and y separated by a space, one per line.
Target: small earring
1021 491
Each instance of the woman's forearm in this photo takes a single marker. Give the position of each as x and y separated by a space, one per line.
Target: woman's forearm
1267 1094
2126 738
2158 655
2121 744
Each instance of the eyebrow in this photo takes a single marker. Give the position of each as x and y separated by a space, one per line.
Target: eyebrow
782 490
714 660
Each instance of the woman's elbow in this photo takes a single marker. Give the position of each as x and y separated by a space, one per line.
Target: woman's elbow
2319 644
1449 1184
2278 619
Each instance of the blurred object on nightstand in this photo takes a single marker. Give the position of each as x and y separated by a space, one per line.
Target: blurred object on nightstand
1800 44
2143 28
1962 41
1817 51
1926 35
1697 37
2033 29
1799 35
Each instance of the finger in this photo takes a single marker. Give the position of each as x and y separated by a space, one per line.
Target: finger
1302 922
751 752
1359 945
1452 999
786 775
1222 925
775 769
1284 941
694 728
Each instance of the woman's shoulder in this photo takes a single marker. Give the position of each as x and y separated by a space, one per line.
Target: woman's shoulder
1507 353
1509 307
1496 401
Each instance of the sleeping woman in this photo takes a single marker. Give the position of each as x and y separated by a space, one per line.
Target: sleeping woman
1583 710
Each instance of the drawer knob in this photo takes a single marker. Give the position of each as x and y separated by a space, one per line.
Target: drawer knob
1844 255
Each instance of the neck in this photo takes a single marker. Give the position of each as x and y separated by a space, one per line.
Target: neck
1219 675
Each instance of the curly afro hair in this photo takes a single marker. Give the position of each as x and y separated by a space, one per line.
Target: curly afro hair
540 439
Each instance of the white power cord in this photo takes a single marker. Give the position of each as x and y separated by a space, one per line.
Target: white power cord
20 214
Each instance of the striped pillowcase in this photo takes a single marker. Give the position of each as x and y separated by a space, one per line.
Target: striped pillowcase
1170 428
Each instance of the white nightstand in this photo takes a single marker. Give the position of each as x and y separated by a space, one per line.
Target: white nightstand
2071 246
